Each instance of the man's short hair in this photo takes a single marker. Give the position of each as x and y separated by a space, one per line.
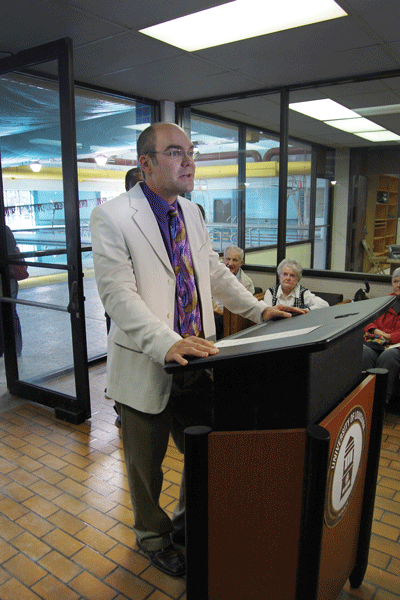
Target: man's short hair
236 249
146 143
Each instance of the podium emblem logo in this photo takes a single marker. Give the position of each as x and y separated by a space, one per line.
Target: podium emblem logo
344 466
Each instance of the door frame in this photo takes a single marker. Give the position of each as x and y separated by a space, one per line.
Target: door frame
74 409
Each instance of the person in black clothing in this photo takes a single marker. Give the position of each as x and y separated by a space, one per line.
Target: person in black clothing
132 177
12 249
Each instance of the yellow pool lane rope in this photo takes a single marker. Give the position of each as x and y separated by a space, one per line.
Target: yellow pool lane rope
50 279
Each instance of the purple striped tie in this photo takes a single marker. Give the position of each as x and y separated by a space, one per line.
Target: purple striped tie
187 300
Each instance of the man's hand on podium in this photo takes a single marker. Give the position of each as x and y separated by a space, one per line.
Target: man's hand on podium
190 346
281 311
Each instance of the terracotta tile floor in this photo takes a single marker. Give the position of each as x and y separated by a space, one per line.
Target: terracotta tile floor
65 514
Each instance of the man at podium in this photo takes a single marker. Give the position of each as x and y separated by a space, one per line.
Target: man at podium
156 273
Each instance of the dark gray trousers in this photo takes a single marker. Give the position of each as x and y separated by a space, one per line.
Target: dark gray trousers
145 440
388 359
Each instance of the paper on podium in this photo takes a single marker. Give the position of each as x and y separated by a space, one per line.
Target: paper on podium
227 343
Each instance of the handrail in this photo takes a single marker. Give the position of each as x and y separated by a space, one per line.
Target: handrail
36 304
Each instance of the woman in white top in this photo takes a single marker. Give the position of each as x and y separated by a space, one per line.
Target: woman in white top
289 291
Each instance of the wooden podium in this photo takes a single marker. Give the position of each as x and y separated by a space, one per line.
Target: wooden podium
280 494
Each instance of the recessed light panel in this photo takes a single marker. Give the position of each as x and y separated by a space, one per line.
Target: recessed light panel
355 125
389 109
241 20
323 110
380 136
334 114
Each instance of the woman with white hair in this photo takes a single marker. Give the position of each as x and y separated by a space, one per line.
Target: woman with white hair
289 291
380 335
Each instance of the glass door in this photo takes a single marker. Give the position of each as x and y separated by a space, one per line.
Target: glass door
43 316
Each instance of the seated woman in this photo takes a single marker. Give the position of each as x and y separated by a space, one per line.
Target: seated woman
289 291
379 335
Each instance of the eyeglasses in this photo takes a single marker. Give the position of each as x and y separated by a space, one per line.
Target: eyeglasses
177 153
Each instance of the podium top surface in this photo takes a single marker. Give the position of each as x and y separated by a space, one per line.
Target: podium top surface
312 331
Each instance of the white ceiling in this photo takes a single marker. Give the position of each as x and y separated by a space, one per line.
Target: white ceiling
110 52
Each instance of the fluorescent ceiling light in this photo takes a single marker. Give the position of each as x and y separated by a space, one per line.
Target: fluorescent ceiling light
35 166
323 110
138 127
101 160
241 20
379 136
45 142
334 114
388 109
355 125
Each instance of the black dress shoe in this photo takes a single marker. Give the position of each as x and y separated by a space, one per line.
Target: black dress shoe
178 537
168 560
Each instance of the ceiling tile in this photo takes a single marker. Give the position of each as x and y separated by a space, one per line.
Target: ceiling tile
118 53
293 44
18 33
177 79
381 16
148 13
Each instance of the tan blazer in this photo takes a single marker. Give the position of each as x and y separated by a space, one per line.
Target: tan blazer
136 284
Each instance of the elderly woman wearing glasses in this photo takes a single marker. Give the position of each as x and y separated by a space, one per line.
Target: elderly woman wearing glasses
289 291
379 337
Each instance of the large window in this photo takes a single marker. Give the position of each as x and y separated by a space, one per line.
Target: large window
237 183
216 186
322 224
261 189
339 207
